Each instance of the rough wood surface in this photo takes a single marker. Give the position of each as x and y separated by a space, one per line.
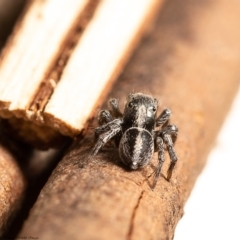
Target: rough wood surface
190 62
12 188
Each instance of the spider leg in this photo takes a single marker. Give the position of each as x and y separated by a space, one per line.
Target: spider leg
163 117
170 129
168 133
114 108
161 158
112 128
104 117
107 127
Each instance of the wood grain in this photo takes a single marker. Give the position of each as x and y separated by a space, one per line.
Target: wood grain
100 55
30 54
51 87
190 62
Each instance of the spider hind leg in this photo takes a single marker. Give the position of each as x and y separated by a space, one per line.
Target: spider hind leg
169 134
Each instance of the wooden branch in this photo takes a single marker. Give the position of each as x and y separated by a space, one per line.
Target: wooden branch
193 72
30 54
12 188
56 84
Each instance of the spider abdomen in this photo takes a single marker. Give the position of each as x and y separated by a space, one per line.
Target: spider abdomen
136 147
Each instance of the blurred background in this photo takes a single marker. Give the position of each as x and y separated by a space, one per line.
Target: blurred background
9 12
213 210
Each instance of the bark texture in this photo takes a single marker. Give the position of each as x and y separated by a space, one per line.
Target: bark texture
190 62
12 188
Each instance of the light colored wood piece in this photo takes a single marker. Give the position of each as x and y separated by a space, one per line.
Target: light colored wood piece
102 51
34 46
99 57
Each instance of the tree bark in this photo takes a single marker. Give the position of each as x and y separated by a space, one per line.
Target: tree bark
12 188
190 61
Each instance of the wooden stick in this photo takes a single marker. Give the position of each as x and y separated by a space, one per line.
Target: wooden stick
193 72
12 188
39 60
98 58
30 54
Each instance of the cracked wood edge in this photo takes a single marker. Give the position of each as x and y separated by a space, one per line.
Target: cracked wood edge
99 198
40 97
42 17
131 225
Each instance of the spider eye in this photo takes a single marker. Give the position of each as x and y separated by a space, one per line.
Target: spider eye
130 105
154 109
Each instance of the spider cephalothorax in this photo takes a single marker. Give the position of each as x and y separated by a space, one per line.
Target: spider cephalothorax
134 132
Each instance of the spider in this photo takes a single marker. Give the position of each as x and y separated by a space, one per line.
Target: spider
134 132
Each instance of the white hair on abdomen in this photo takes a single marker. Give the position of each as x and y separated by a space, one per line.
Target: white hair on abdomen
137 146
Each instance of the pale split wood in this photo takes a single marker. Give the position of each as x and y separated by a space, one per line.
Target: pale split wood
47 86
32 49
99 57
32 55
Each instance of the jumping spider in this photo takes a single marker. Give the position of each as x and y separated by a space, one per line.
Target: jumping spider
134 132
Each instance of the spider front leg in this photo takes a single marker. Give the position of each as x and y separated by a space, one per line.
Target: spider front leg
169 135
114 108
164 117
105 133
104 117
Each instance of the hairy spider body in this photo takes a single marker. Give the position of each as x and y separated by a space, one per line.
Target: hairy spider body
136 147
134 132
